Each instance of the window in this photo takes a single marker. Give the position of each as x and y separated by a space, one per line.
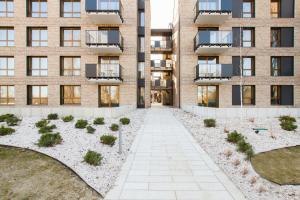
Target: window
275 66
6 8
70 8
37 95
141 70
37 8
248 95
7 66
37 66
109 66
141 18
7 95
37 37
70 37
248 66
70 94
248 8
282 95
141 44
141 96
208 96
275 37
248 37
70 66
7 37
109 96
275 8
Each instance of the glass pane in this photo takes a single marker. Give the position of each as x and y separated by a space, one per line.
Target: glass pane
35 7
67 7
44 72
76 35
247 63
67 63
105 98
11 63
10 73
11 34
35 63
44 35
3 63
44 63
67 34
2 6
212 96
11 91
43 6
10 6
3 91
114 93
76 7
35 72
76 63
35 34
44 91
67 92
77 91
35 91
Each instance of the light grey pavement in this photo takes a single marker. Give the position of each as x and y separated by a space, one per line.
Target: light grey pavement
166 163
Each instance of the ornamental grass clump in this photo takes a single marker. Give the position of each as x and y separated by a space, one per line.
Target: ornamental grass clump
81 124
93 158
99 121
209 123
288 123
42 123
68 118
108 139
114 127
242 145
90 129
10 119
47 129
49 140
53 116
234 137
125 121
6 131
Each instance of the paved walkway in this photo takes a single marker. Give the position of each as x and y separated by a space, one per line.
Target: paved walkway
166 163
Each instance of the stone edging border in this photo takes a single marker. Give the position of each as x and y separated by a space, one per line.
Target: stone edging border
89 186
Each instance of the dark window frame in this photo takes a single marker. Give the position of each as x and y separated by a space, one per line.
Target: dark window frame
7 99
72 69
40 100
252 12
72 13
252 66
72 100
7 69
72 41
252 98
29 36
6 12
29 9
110 104
29 66
207 96
252 41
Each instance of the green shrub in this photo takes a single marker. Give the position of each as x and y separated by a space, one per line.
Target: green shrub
42 123
93 158
125 121
6 131
287 118
12 121
68 118
210 123
53 116
108 139
5 116
90 129
249 154
288 125
114 127
243 146
47 129
49 140
81 124
99 121
234 137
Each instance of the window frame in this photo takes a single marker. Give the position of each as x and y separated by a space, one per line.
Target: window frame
72 13
252 39
7 69
39 69
252 69
252 98
276 101
278 58
39 100
110 104
7 41
72 100
8 99
276 43
205 89
72 41
278 13
6 12
252 12
72 69
39 13
40 41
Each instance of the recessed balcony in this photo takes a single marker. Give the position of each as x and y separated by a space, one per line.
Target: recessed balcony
213 73
212 12
161 84
212 42
161 65
104 11
104 73
105 41
161 46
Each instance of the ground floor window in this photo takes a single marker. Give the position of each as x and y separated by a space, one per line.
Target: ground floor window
7 95
208 96
70 94
37 95
282 95
248 95
109 96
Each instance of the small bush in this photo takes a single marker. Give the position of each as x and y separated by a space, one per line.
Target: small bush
243 146
287 118
93 158
288 125
68 118
49 140
209 123
249 153
5 116
53 116
125 121
99 121
6 131
234 137
42 123
12 121
114 127
90 129
108 140
81 124
47 129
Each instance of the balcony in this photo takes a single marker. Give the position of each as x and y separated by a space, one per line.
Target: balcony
161 65
104 11
105 41
161 45
213 73
161 84
104 73
212 42
213 12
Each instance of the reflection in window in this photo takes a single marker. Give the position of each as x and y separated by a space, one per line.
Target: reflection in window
208 96
275 37
7 66
141 70
37 66
275 63
209 5
38 95
141 19
6 8
248 37
70 37
248 95
275 95
71 8
248 66
37 8
7 95
70 94
38 37
70 66
275 8
248 8
7 37
108 4
109 96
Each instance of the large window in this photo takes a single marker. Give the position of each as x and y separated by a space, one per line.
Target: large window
248 66
37 37
282 95
37 95
248 95
275 8
7 95
70 8
141 70
37 66
6 8
141 44
109 96
70 37
282 66
7 66
70 66
70 94
248 37
37 8
248 9
7 37
208 96
141 18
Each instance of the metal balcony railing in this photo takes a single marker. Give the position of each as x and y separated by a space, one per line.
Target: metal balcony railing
213 6
162 83
213 38
214 71
103 6
162 64
104 38
104 71
161 44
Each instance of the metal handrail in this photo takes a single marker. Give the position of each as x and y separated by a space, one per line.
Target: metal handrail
101 37
165 44
109 70
213 38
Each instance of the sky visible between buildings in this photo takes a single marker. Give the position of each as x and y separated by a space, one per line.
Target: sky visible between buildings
161 13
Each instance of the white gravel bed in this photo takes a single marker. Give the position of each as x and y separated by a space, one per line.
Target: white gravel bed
76 142
213 140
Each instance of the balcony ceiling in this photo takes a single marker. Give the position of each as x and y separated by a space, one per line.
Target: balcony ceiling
213 50
103 49
105 81
211 18
200 81
105 17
